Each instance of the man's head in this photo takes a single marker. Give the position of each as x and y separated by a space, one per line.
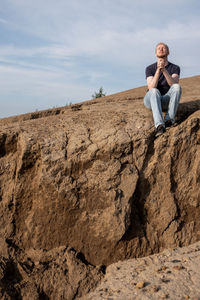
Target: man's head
162 50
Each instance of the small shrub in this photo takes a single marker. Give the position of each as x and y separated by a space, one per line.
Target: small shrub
99 94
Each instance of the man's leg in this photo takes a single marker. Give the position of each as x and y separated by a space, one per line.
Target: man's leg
172 99
152 100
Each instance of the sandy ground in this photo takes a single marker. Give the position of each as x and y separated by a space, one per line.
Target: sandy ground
172 274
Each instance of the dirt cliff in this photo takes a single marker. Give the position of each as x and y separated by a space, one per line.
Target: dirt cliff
87 185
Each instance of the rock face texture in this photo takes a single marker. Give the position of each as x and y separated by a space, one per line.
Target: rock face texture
39 274
89 185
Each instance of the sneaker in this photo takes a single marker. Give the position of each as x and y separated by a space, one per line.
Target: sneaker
159 130
168 123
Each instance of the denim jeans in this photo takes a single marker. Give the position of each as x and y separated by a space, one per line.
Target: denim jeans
159 103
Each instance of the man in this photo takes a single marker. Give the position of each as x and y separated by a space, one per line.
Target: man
164 92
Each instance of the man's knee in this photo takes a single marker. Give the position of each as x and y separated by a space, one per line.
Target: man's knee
154 91
176 87
152 96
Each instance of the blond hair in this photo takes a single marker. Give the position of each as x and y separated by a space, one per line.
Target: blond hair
165 45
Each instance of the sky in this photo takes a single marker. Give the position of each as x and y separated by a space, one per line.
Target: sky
57 52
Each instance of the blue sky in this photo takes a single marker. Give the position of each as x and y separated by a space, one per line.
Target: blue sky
54 52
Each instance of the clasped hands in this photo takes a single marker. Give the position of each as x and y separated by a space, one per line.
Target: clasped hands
161 64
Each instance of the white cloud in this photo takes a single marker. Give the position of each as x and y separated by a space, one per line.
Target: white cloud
114 31
119 47
68 47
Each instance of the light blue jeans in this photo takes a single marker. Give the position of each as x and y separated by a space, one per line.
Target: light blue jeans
159 103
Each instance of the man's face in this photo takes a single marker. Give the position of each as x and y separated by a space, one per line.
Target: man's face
161 51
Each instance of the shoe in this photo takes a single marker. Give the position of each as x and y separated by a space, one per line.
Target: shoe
159 130
168 123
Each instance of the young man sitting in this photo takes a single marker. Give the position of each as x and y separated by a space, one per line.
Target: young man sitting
164 91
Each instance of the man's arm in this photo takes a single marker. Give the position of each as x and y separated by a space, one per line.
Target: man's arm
152 81
171 79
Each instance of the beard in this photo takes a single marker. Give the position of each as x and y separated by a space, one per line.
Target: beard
162 56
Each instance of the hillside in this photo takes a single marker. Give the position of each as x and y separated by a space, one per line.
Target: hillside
85 186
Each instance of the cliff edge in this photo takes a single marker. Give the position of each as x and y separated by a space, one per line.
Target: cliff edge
85 186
